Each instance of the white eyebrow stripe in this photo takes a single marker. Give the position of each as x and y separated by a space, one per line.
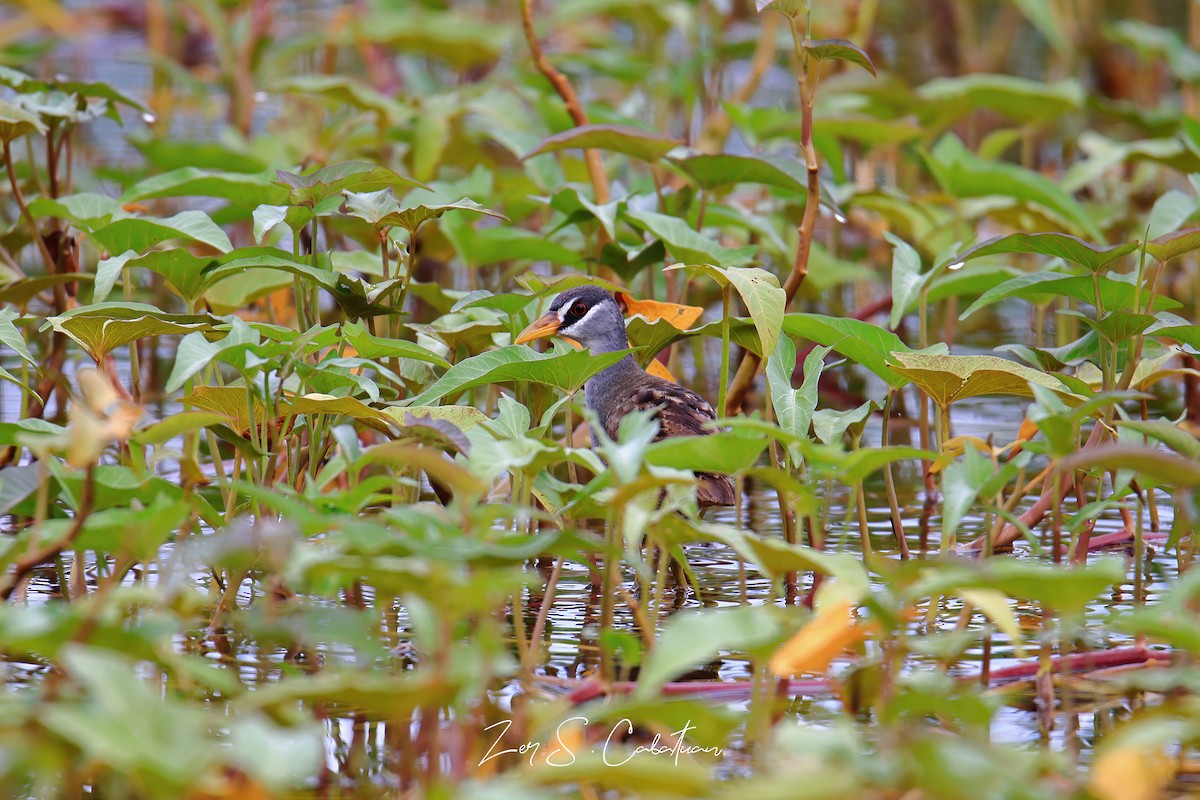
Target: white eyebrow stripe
562 310
585 317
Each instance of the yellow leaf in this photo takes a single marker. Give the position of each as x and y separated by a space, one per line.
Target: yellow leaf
1130 772
994 605
954 447
99 416
657 369
682 317
830 631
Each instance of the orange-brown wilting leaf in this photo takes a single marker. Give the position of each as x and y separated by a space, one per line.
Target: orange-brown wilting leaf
1027 431
682 317
1130 772
656 368
826 636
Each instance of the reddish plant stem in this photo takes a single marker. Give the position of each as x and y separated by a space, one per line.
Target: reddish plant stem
589 690
1037 512
567 93
747 369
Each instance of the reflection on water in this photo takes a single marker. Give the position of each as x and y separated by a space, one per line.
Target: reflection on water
570 631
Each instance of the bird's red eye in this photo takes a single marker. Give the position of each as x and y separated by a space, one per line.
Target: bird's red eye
579 309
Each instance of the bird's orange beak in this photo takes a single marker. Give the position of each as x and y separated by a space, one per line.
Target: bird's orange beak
540 328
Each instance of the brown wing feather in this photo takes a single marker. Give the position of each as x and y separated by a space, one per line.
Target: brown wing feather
680 412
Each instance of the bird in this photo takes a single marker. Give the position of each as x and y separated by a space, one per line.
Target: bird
591 317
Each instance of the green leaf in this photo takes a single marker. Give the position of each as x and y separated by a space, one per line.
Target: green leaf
20 292
961 483
622 139
556 284
359 176
1172 245
240 188
376 347
861 342
1115 326
125 725
15 79
13 379
315 403
947 379
907 280
726 169
234 292
1060 245
192 275
196 351
134 533
566 370
102 327
372 207
127 232
794 407
343 90
964 174
1170 211
1041 287
841 50
1067 590
572 202
795 9
1184 334
759 291
649 338
1151 463
12 433
267 217
175 425
502 244
725 452
855 467
413 217
461 40
1045 18
85 210
969 282
1021 99
12 338
19 483
1168 433
16 122
687 245
462 417
690 640
830 425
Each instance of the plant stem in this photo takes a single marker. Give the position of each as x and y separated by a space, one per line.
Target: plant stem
748 367
723 382
574 108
